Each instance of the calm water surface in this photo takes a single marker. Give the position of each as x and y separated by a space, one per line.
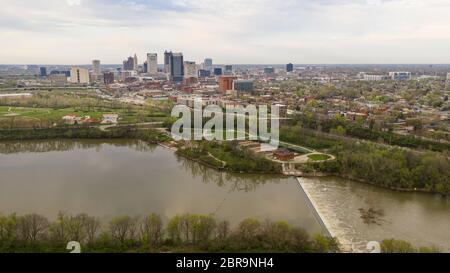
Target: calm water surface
122 177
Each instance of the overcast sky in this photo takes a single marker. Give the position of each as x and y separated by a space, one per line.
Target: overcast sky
229 31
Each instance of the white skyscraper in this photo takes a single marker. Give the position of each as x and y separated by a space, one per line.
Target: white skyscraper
190 70
79 75
97 71
208 64
152 63
136 64
448 76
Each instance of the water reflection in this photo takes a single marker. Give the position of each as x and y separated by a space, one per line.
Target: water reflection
107 178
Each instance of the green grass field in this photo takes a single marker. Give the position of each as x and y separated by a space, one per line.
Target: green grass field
319 157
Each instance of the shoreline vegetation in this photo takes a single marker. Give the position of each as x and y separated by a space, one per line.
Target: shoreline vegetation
188 233
384 166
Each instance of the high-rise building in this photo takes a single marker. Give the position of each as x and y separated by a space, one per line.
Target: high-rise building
43 71
243 85
208 64
97 70
289 67
400 76
448 76
176 67
228 70
79 75
218 71
152 63
269 71
167 56
226 83
190 70
128 65
202 73
136 63
108 78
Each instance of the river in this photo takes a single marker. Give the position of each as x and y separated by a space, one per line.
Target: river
108 178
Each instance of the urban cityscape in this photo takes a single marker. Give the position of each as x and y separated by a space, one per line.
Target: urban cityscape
89 161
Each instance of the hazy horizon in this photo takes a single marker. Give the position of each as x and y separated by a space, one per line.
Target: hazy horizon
230 32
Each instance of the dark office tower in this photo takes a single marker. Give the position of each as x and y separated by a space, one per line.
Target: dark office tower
167 56
128 65
228 70
289 67
43 71
218 71
176 65
108 77
203 73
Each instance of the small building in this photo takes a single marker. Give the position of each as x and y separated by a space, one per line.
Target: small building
284 155
70 119
110 119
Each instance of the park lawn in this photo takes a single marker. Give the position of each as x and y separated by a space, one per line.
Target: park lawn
319 157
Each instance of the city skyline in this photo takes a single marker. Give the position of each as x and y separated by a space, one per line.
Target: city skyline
250 32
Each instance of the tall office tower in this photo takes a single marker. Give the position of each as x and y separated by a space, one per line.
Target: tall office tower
448 76
43 71
208 64
218 71
176 67
289 67
152 63
79 75
228 70
128 65
108 78
167 56
226 83
97 70
136 63
190 70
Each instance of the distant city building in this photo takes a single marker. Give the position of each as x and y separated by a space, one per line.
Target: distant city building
448 76
228 70
289 67
145 67
176 67
202 73
97 70
190 70
108 78
79 75
226 83
400 76
65 72
167 56
43 71
208 64
368 77
136 63
128 65
218 71
58 79
243 85
269 70
152 63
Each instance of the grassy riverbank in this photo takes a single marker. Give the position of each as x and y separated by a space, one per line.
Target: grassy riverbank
228 156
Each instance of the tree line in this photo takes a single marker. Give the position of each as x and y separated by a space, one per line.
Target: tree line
181 233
